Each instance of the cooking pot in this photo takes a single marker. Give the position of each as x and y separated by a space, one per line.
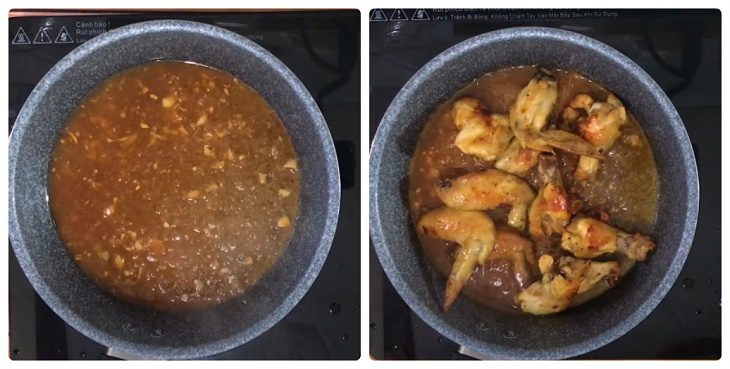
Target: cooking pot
134 330
510 336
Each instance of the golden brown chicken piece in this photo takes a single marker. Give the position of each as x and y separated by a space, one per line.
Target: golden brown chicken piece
488 190
530 112
571 143
572 112
480 134
559 286
472 230
589 272
601 127
517 159
589 238
549 295
587 168
549 213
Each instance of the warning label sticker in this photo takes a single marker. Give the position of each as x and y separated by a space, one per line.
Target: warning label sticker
420 14
21 38
378 15
398 14
42 37
64 37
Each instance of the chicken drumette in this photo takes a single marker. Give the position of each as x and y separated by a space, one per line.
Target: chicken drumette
589 238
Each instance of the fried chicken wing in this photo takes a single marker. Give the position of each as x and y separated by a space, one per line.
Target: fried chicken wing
472 230
571 143
590 273
558 287
549 295
601 127
572 112
530 112
488 190
517 159
589 238
549 212
480 134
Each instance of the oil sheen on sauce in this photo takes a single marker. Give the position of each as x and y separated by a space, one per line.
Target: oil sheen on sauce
626 186
174 186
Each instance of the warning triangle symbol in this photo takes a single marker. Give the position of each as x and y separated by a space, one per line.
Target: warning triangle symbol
378 16
21 38
420 14
64 37
398 14
41 37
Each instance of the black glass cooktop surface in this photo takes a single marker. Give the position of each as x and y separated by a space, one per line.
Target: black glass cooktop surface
680 49
322 49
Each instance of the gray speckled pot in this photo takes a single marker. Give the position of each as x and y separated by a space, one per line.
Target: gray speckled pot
575 331
79 301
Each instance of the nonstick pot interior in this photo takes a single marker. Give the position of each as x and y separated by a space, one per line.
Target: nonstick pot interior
576 331
78 300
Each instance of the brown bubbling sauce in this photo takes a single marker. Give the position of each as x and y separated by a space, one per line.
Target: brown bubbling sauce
174 185
626 186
